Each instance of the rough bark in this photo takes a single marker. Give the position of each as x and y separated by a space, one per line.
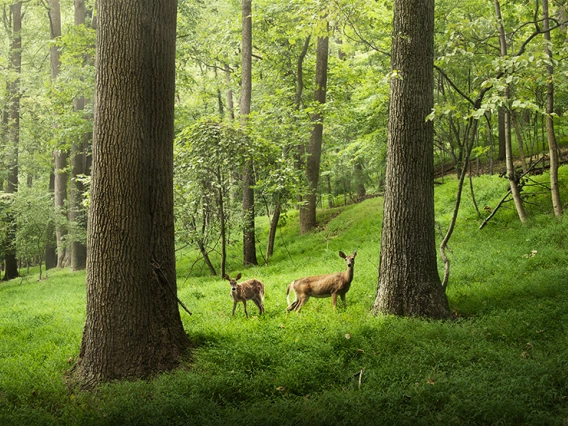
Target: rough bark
408 282
133 327
313 151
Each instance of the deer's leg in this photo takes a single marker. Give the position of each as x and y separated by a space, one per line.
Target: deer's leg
334 300
292 306
301 302
258 302
343 300
245 306
234 307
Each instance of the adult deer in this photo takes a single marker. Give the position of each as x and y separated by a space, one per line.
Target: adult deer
247 290
322 285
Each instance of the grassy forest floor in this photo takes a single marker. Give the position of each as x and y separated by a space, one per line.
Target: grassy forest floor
503 360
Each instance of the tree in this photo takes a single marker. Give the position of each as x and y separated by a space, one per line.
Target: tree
511 174
408 282
13 125
249 243
133 326
77 213
313 150
552 145
59 154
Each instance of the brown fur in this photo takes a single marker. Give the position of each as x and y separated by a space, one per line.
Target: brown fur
247 290
322 285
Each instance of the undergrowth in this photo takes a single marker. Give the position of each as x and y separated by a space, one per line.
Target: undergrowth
501 360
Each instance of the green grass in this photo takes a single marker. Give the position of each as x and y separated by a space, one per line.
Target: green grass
502 361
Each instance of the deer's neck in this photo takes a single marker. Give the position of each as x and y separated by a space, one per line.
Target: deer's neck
348 275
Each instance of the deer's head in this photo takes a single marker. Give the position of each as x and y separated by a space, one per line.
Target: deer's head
233 281
349 260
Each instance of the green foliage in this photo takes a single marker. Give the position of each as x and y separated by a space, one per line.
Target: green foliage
502 360
34 210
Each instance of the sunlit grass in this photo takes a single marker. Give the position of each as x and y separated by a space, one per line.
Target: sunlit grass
502 360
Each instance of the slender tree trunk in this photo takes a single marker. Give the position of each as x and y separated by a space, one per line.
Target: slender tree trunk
51 243
230 103
359 180
77 213
513 183
273 227
408 282
552 145
308 211
249 241
519 141
133 327
59 156
14 96
501 152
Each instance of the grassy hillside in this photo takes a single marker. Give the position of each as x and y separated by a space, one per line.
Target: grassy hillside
503 360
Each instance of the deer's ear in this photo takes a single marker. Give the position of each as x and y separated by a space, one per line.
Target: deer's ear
342 255
355 253
238 277
227 277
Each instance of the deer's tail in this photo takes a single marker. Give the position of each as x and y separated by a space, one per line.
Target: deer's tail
290 287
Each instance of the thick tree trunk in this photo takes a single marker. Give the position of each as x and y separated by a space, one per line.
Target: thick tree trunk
249 239
308 210
408 282
133 327
14 96
552 145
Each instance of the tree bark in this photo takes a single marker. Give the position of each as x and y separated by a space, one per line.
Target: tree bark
552 145
501 152
77 213
308 210
511 174
249 239
14 96
273 227
133 327
408 282
59 156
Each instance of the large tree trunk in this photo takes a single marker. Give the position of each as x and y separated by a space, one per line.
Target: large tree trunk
308 210
249 243
511 174
14 96
408 282
552 146
133 326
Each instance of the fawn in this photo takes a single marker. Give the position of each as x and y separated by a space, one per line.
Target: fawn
322 285
247 290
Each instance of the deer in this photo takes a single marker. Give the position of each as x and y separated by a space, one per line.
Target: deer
248 290
322 286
